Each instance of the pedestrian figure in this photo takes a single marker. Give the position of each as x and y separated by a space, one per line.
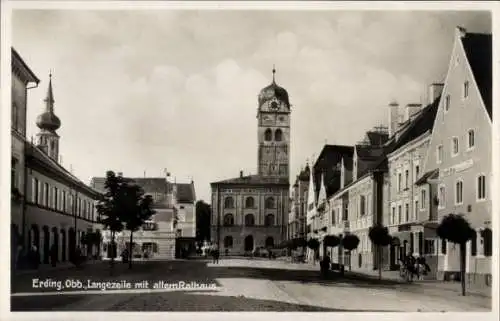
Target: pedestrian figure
216 255
34 257
53 255
227 252
325 266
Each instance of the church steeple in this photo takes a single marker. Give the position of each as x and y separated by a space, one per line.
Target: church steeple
49 100
48 122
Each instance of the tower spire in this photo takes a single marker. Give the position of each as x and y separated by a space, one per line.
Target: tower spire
49 100
274 72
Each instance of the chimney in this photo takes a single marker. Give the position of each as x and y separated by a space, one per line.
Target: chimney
460 32
411 110
393 117
435 90
241 174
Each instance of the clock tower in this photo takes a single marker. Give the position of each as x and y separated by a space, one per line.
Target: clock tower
273 115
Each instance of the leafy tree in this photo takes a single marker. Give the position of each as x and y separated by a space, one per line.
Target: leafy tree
350 242
313 244
110 207
203 213
138 209
330 241
456 229
379 235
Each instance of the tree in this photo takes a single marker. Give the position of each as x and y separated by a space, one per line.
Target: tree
203 213
109 208
330 241
350 242
379 235
138 209
456 229
91 239
313 244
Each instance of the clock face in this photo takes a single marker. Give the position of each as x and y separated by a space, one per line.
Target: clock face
274 105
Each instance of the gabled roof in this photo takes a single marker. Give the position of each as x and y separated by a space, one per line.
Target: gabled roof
423 122
429 175
329 149
149 184
34 154
29 74
253 180
478 49
367 153
377 138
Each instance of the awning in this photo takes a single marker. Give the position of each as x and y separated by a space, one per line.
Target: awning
429 175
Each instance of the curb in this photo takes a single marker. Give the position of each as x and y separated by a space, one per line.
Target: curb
428 285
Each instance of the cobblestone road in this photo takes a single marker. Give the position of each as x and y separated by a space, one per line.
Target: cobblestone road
233 285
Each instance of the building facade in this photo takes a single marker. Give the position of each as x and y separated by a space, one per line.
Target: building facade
23 79
458 167
252 211
405 199
184 201
156 239
56 209
297 215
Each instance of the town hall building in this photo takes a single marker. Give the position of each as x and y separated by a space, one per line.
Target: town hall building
251 212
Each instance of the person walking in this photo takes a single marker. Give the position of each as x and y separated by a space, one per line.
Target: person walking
217 254
325 266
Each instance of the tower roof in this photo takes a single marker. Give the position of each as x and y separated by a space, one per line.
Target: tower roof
273 90
48 120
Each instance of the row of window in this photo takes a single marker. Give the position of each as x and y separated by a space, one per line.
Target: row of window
249 202
403 217
465 94
407 181
455 146
249 220
459 191
278 135
60 200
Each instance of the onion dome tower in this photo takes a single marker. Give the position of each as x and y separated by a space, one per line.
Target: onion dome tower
48 122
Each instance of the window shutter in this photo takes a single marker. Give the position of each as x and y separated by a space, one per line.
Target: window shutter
155 248
412 243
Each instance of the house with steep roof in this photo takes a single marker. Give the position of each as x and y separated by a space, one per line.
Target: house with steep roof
297 215
458 166
410 146
156 239
354 208
324 181
51 208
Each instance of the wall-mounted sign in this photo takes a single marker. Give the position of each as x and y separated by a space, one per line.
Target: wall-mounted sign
460 167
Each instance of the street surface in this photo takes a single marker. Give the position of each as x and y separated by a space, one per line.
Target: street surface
232 285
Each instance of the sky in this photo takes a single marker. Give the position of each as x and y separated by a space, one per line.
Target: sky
142 91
